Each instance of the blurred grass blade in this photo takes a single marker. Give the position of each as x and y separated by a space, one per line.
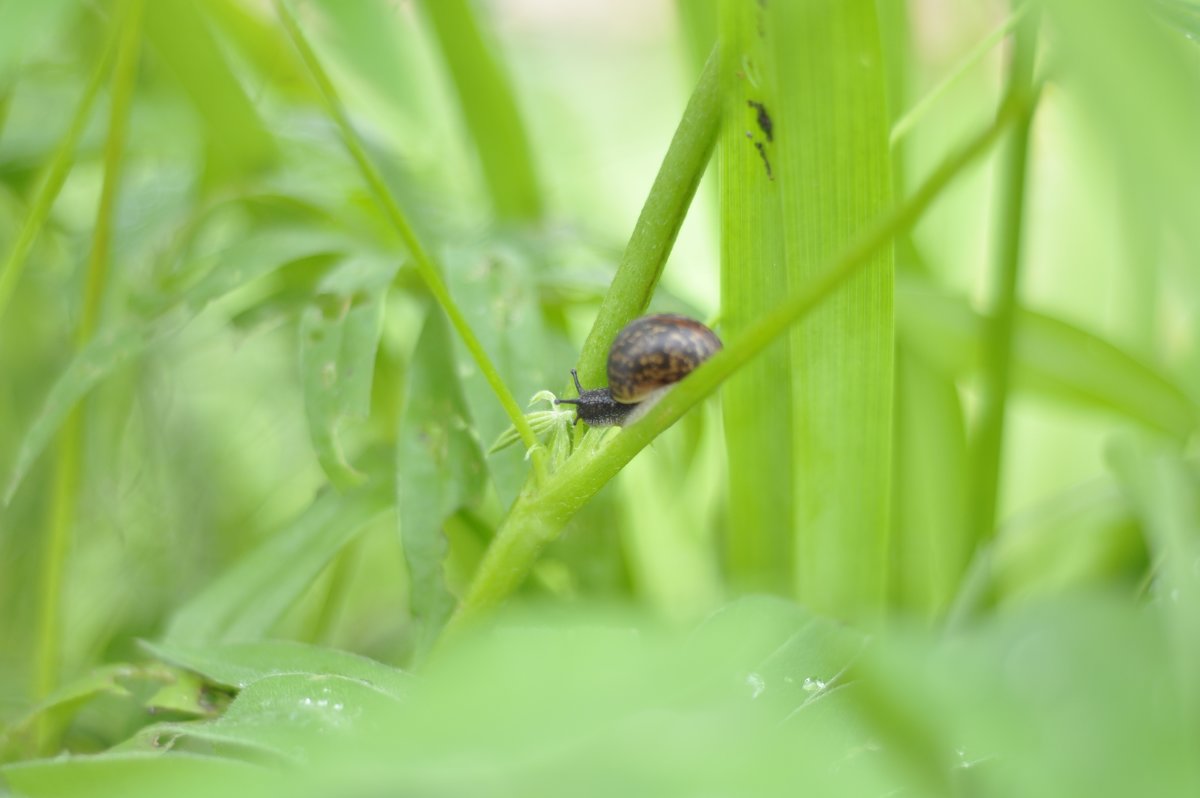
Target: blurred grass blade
829 159
986 446
760 544
439 469
930 546
238 143
55 172
489 106
339 336
245 600
1051 358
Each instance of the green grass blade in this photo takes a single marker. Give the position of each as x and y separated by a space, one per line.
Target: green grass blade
1051 358
244 601
757 401
987 439
339 336
439 469
831 166
489 106
56 174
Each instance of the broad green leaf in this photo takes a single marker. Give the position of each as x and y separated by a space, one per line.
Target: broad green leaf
244 601
238 665
300 716
489 107
339 336
757 400
136 775
1051 357
238 143
439 469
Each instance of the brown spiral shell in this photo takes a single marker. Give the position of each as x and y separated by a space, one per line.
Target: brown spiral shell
656 351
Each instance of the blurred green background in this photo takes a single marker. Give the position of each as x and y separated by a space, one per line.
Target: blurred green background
232 413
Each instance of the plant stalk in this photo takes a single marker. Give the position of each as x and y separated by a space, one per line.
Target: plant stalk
536 519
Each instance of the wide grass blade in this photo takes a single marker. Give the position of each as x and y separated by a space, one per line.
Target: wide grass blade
829 157
757 402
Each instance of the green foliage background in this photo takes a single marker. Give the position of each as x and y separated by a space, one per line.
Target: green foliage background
274 277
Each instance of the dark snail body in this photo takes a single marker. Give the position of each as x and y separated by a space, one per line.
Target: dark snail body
648 356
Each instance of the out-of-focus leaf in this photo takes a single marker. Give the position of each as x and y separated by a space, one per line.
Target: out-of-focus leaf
103 354
820 131
238 142
1051 357
489 107
439 469
1165 491
930 543
1069 698
263 45
110 349
24 26
137 775
339 336
247 598
238 665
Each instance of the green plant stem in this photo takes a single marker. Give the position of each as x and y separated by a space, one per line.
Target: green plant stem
56 174
68 466
658 224
536 519
489 108
987 446
430 274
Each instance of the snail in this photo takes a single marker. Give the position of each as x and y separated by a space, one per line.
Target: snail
647 357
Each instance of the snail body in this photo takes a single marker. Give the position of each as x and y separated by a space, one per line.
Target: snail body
647 357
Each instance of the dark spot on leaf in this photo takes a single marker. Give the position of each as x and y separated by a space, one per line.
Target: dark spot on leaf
764 119
762 150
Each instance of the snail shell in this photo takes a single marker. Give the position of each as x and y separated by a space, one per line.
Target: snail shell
649 355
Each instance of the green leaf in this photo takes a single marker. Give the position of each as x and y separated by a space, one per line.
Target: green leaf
136 775
244 601
23 26
1051 357
756 401
808 111
439 469
237 665
339 336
